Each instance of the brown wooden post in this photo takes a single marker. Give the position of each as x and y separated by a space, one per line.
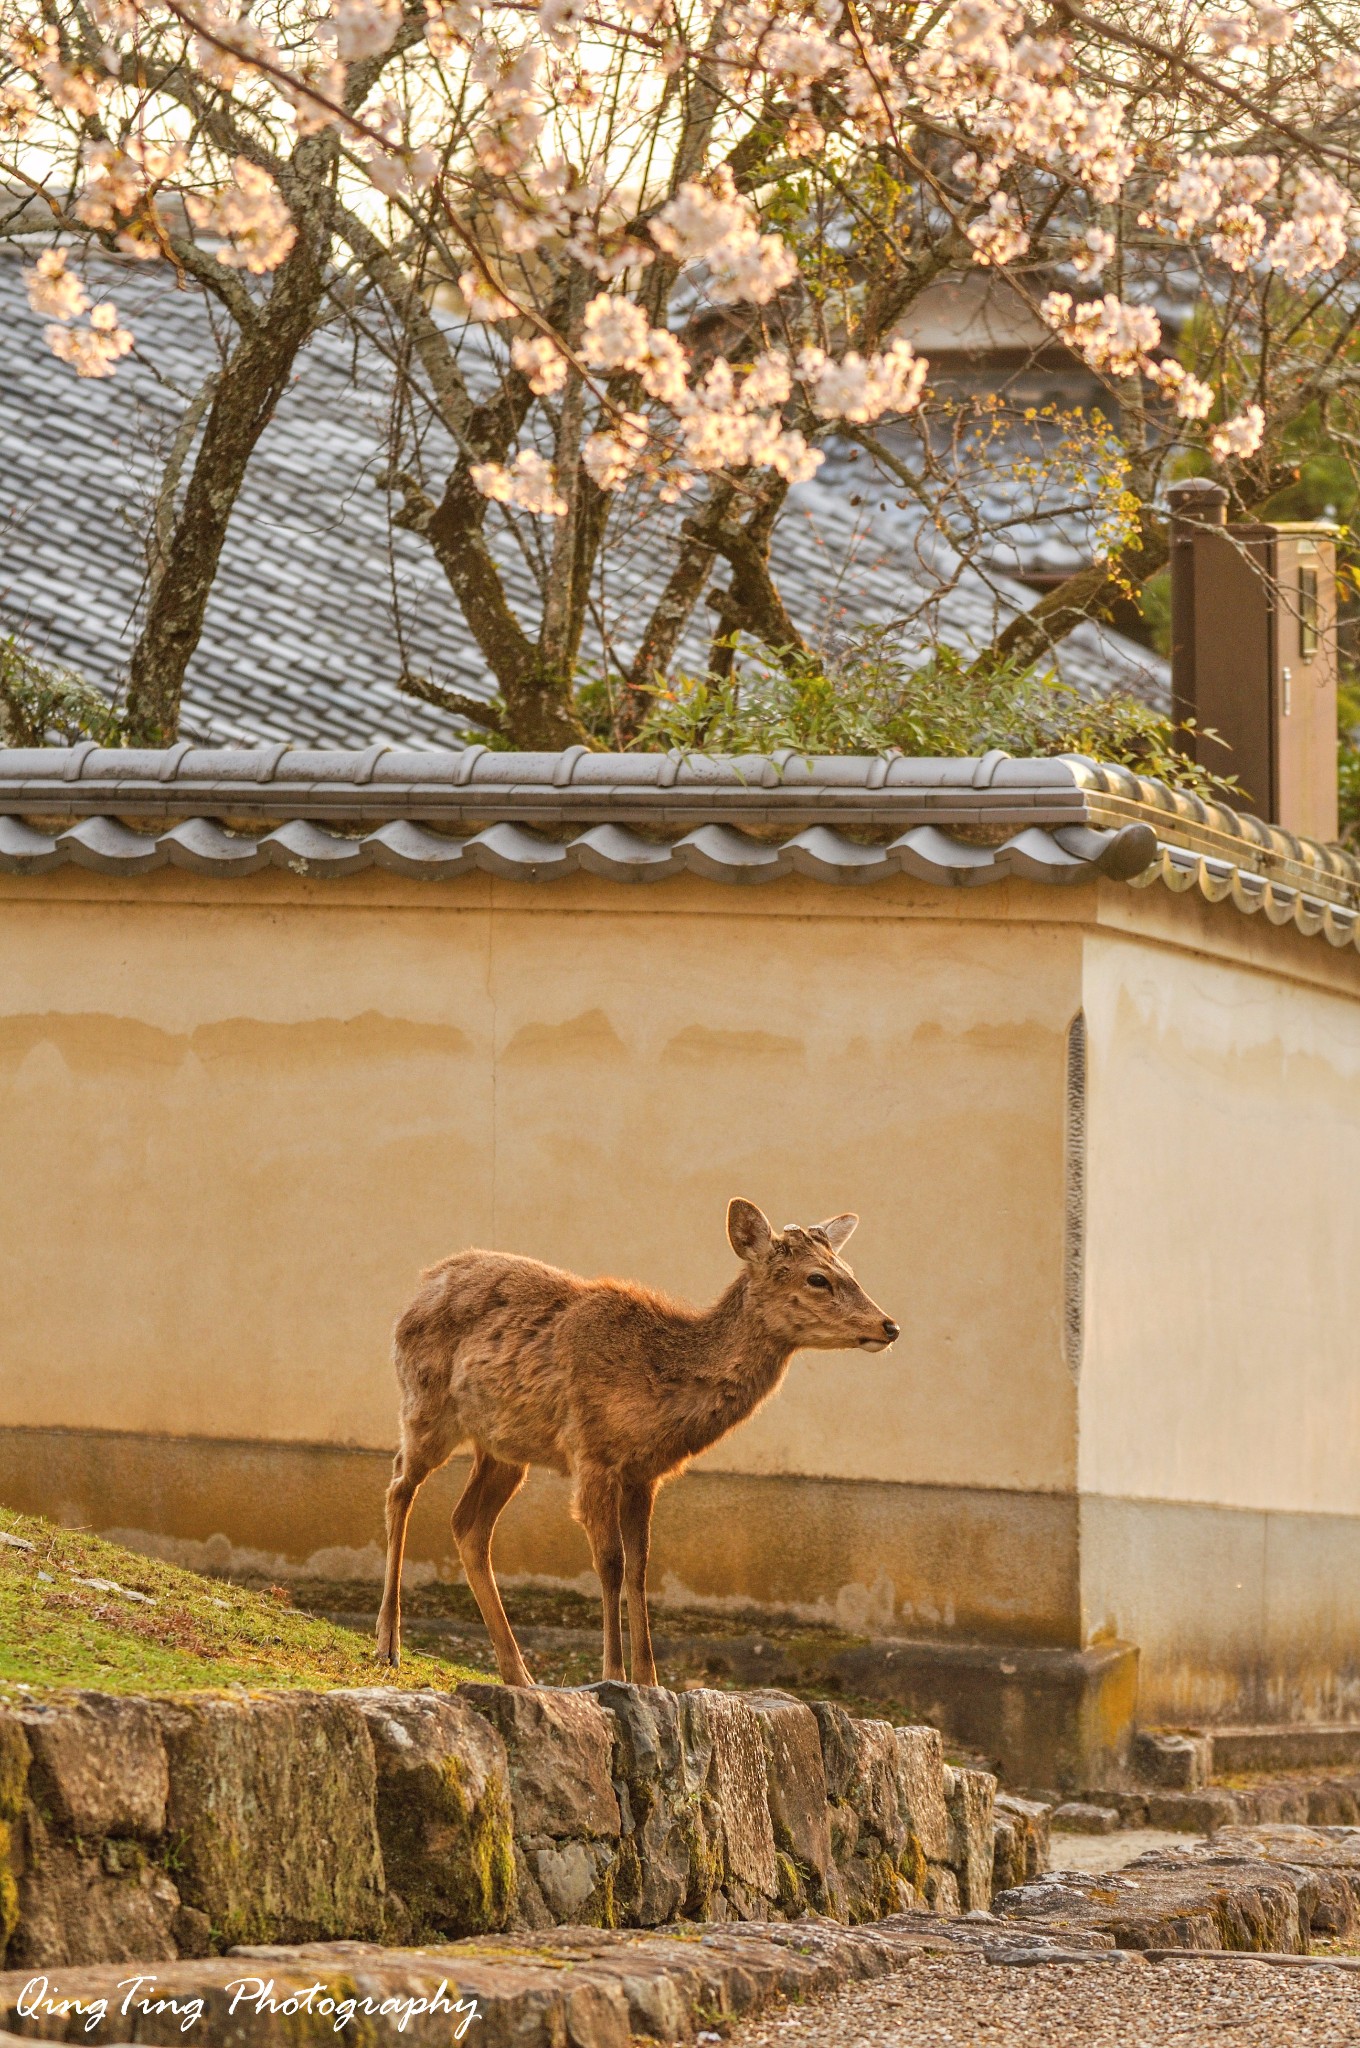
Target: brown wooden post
1195 503
1253 656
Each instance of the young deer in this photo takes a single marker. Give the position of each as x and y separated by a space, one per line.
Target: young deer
609 1382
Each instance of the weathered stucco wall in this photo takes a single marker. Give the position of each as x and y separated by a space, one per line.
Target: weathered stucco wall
1221 1359
1220 1387
236 1122
235 1119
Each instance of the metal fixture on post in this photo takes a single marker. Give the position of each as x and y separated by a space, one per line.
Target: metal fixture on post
1253 655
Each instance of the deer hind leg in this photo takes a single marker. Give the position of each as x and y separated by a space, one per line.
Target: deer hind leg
491 1485
597 1510
420 1454
639 1496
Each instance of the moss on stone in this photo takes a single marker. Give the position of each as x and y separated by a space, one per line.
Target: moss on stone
912 1864
271 1812
14 1762
791 1892
9 1888
601 1907
122 1859
705 1869
628 1878
488 1861
450 1854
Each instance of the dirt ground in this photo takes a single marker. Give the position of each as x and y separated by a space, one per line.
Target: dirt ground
1110 1852
560 1633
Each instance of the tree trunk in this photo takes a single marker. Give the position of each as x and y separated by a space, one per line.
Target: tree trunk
684 586
250 386
1087 594
751 603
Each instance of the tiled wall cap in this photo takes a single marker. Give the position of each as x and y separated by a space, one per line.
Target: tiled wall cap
578 786
718 852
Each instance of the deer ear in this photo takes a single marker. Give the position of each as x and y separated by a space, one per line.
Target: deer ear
839 1230
748 1229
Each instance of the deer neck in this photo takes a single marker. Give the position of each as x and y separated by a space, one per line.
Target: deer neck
740 1361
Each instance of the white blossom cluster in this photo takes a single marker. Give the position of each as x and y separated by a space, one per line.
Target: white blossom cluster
1316 236
1241 436
54 291
998 236
528 483
252 217
1224 193
1094 252
712 225
1265 25
1192 398
57 294
727 419
1006 88
118 184
863 388
359 28
541 362
794 47
1112 337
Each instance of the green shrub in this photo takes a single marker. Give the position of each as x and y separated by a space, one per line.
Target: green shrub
875 697
1348 763
42 706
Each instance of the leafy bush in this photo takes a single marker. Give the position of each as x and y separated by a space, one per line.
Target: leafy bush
872 699
1348 763
42 706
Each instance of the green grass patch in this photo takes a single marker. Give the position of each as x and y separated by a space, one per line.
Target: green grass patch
69 1616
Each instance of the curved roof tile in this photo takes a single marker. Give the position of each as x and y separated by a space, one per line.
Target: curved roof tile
643 817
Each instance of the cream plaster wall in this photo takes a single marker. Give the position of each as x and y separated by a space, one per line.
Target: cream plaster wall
236 1118
1222 1353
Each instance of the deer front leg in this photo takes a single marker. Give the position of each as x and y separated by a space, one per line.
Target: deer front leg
639 1498
597 1510
491 1485
400 1500
425 1443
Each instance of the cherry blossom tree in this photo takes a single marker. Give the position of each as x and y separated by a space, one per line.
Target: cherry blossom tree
637 263
128 129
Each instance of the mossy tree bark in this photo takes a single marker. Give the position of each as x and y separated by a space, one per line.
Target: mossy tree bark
249 388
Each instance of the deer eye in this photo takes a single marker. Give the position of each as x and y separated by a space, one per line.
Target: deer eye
818 1280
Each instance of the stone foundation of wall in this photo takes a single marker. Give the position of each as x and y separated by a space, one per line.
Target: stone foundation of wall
154 1829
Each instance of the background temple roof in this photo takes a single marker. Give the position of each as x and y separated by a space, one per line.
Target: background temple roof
300 641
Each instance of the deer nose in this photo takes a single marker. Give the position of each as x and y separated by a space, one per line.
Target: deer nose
890 1329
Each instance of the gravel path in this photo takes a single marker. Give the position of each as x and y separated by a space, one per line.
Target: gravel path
962 2001
1110 1852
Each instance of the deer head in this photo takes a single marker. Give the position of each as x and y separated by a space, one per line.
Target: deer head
799 1288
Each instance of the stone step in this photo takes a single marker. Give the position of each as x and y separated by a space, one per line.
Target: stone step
605 1989
176 1828
593 1988
1320 1746
1269 1889
1305 1801
1030 1710
1186 1759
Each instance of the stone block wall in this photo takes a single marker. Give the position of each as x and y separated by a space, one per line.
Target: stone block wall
149 1829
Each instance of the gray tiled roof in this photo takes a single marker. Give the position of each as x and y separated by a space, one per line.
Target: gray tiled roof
299 642
433 815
